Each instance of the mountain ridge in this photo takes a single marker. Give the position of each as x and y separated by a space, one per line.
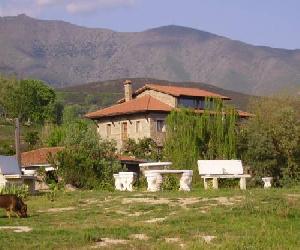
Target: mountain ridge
64 54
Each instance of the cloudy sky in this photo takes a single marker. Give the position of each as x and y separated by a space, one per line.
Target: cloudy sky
273 23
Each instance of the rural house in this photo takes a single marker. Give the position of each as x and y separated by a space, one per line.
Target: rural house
142 113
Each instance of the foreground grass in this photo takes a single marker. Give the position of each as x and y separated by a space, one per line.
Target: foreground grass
252 219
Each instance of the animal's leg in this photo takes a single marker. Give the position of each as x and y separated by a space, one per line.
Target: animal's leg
8 213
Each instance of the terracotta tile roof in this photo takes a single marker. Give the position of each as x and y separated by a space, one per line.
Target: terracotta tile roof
178 91
38 156
138 105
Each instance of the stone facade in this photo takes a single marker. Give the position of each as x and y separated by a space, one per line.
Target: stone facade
138 126
168 99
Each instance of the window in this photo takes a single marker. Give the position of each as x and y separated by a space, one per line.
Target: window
160 126
108 130
198 103
187 102
124 135
137 126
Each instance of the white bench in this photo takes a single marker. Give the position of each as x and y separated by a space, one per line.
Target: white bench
155 179
222 169
124 181
154 165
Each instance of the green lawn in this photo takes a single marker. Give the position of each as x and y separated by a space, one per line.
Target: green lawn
252 219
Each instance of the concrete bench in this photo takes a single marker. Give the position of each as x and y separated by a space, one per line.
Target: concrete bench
154 166
155 179
124 181
222 169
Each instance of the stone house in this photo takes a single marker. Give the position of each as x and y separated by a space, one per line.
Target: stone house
143 113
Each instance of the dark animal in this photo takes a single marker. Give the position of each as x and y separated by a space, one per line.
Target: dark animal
13 203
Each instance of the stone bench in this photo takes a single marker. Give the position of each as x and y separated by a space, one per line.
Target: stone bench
124 181
222 169
155 179
161 165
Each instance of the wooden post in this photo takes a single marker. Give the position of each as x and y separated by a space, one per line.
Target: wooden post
17 142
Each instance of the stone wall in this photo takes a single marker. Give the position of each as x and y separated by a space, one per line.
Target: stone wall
158 137
168 99
147 128
116 127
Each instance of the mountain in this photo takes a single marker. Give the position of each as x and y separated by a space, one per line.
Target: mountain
64 54
105 93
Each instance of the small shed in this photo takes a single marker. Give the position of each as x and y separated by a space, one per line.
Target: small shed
38 159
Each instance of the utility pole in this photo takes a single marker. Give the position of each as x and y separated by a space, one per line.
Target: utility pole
17 142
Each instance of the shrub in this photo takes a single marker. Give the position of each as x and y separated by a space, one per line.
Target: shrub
269 141
145 148
87 160
170 182
19 190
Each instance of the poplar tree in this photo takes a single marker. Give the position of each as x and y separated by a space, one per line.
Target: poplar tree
192 135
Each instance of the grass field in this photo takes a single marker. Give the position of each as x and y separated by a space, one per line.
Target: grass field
222 219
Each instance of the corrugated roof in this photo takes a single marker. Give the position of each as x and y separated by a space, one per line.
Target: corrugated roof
178 91
141 104
38 156
9 165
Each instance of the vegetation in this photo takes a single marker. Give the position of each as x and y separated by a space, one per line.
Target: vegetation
34 103
29 100
251 219
269 141
145 148
19 190
87 160
191 136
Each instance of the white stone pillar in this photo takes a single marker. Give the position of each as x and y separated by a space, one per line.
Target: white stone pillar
154 181
215 183
117 182
186 181
267 182
205 183
127 180
243 183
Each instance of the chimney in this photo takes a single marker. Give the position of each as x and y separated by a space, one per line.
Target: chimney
128 90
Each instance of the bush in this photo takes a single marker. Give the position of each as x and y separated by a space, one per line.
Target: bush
170 182
19 190
269 141
145 148
87 160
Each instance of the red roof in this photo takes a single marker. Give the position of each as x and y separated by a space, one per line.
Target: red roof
138 105
178 91
38 156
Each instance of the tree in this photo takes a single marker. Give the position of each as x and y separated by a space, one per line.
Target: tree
269 141
30 100
192 136
87 160
32 138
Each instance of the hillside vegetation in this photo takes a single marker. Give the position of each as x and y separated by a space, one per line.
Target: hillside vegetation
104 93
65 54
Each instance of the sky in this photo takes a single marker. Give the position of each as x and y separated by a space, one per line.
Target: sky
274 23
